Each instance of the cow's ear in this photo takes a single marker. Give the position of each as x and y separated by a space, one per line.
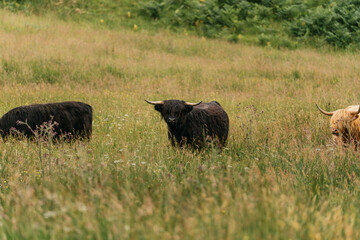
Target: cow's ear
188 108
158 107
354 117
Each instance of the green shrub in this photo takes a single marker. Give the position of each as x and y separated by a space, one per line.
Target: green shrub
287 22
337 23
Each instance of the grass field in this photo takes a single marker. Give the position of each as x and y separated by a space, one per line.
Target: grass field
277 178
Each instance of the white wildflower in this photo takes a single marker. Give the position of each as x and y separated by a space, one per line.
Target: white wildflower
81 207
49 214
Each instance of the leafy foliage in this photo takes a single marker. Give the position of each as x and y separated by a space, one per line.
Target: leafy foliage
226 19
335 22
277 23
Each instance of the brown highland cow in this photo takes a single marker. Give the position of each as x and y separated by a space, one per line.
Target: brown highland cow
345 124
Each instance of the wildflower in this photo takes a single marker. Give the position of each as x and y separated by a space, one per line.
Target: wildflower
129 14
49 214
101 20
81 207
203 39
118 161
59 3
239 36
202 1
135 27
268 44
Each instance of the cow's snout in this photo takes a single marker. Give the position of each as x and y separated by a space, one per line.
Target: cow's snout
335 132
171 119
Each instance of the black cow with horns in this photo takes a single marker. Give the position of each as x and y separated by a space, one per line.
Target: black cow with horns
72 120
194 123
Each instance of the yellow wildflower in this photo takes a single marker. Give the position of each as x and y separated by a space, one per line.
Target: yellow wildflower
135 27
129 14
101 20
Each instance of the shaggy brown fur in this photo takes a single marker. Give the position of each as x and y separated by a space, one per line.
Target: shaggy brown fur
345 125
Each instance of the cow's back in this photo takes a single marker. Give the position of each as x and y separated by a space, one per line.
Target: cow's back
71 117
211 118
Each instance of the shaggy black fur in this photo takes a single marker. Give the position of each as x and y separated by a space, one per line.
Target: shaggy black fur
195 125
74 119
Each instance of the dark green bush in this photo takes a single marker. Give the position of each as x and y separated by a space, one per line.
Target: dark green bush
338 23
280 23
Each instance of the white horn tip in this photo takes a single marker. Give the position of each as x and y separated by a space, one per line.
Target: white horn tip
192 104
154 102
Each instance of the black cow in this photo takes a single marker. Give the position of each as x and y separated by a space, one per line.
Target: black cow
71 120
194 123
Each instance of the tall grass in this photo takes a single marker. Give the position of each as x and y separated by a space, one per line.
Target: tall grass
277 178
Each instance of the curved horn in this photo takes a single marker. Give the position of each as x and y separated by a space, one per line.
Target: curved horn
356 112
325 112
154 102
192 104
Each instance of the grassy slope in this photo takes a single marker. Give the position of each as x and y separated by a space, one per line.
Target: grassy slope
277 178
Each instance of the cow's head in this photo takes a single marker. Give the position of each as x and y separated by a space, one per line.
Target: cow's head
342 123
173 111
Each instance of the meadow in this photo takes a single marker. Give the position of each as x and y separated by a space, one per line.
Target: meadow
279 177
